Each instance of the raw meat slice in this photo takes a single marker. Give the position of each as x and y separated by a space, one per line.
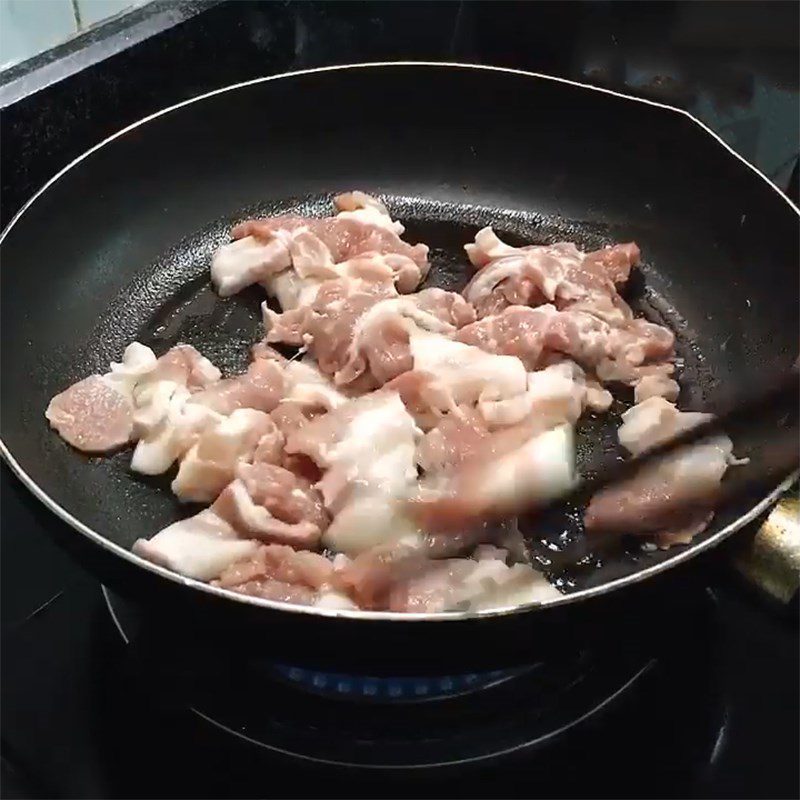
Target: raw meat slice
210 464
447 306
248 260
671 498
366 448
553 395
277 572
359 333
307 250
513 469
167 426
282 563
448 373
654 421
630 352
268 502
199 547
558 273
344 236
261 388
365 208
92 416
454 439
205 545
667 497
185 366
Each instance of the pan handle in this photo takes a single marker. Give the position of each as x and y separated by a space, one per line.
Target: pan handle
768 559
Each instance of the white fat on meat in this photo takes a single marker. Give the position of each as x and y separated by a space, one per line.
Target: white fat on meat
553 395
210 463
167 427
366 448
466 374
263 503
359 333
511 470
137 362
248 260
469 585
268 502
309 248
310 388
365 208
653 421
199 547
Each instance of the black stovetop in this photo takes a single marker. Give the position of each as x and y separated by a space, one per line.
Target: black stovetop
714 714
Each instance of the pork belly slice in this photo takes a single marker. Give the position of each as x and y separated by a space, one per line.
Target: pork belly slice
92 416
670 499
101 412
312 249
635 352
264 503
558 273
365 449
512 469
362 337
462 584
199 547
210 464
278 572
423 574
169 421
260 387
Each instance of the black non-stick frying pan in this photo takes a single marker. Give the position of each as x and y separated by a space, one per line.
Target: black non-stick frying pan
117 246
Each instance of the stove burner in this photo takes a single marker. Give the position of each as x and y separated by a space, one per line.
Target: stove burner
366 722
395 689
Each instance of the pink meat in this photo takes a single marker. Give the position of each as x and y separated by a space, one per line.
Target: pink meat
558 273
261 387
92 416
516 331
627 352
185 366
345 238
269 589
434 588
270 503
369 577
446 306
281 563
357 341
672 498
455 439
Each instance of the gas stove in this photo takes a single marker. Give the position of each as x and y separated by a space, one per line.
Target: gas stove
711 711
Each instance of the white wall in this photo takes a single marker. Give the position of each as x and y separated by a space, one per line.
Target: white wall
28 27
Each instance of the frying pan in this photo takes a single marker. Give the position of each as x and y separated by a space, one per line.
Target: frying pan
116 247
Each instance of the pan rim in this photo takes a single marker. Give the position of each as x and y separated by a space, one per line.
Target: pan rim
377 616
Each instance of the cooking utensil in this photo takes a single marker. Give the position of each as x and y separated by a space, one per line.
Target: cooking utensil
116 248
